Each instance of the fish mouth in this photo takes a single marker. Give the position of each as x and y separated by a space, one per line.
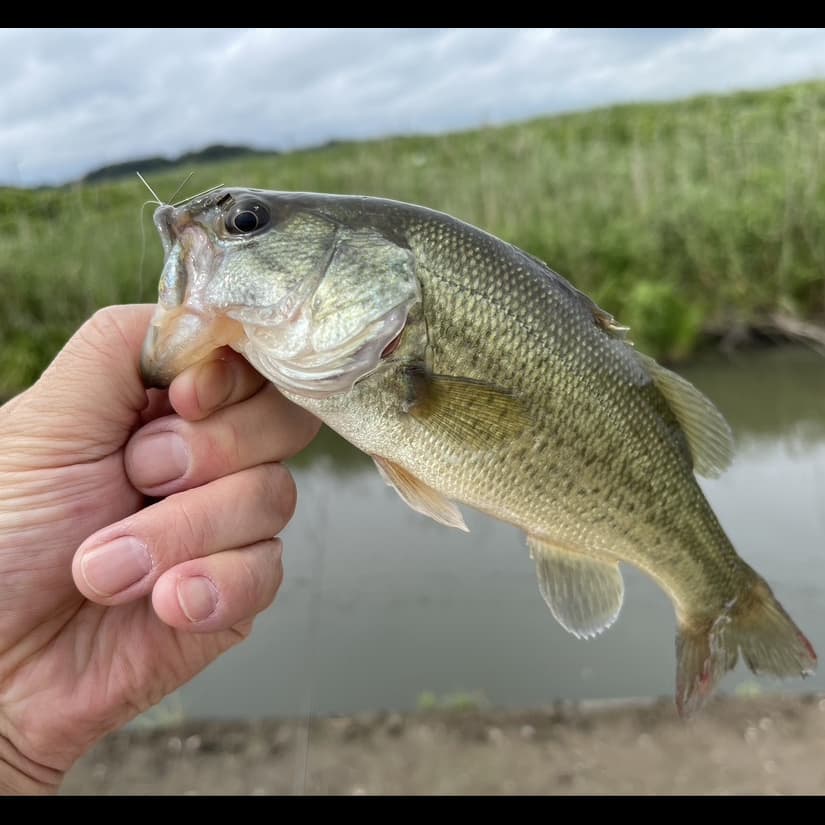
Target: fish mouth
183 330
180 337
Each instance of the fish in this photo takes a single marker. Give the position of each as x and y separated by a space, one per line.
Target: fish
474 374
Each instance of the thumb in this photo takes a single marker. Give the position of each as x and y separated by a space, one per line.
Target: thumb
89 398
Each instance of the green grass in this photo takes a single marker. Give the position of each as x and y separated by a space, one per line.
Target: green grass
676 218
457 702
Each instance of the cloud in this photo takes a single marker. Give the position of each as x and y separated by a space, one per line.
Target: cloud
74 99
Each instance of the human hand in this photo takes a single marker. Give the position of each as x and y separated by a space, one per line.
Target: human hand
91 637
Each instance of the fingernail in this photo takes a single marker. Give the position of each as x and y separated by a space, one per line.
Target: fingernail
214 382
159 459
116 565
197 598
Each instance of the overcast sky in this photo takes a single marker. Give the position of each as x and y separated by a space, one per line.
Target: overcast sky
74 99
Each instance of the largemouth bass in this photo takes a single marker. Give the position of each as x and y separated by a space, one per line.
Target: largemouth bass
474 374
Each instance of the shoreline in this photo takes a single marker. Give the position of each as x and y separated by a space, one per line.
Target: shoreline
736 745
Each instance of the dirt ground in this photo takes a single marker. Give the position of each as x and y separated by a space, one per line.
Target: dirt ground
736 746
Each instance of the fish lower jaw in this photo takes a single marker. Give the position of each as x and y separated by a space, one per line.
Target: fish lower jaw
179 337
305 382
319 374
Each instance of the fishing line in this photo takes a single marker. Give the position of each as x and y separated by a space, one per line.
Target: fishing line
155 202
183 183
141 279
151 191
299 783
158 202
199 194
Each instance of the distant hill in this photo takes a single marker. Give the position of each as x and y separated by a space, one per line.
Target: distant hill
211 154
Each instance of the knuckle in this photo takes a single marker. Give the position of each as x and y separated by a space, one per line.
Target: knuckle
101 328
251 583
194 527
103 322
248 380
278 578
230 445
277 491
215 449
309 427
219 448
264 575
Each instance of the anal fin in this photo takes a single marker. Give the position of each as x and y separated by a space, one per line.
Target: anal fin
419 496
584 593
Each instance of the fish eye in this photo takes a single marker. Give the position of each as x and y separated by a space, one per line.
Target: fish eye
246 216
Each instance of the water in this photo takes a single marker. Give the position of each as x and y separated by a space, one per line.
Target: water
381 606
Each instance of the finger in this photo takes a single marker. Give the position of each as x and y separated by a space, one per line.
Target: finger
170 454
90 397
222 379
123 561
157 406
221 591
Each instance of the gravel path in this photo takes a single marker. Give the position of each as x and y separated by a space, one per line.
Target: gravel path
742 746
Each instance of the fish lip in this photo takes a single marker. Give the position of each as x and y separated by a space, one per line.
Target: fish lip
179 337
164 224
150 373
172 221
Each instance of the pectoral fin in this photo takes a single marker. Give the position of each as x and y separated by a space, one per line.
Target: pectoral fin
468 412
583 593
419 496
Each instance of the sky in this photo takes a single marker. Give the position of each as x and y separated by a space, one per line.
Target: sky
72 100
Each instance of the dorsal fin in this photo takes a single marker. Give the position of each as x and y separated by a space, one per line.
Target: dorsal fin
708 434
609 324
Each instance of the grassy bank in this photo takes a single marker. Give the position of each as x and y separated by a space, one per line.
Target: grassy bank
678 218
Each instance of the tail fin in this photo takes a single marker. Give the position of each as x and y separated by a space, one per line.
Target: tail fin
759 628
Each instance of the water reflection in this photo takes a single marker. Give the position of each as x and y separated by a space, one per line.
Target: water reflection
774 394
380 604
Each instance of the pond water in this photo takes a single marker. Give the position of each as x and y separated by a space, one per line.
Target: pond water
382 609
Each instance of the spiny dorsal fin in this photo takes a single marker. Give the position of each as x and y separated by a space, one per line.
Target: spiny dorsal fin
585 594
468 412
609 324
708 434
419 496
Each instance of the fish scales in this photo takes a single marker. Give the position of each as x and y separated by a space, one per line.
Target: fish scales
494 316
474 373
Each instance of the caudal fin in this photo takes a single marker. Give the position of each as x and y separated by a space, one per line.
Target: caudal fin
758 628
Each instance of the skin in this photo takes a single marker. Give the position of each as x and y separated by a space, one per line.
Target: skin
83 650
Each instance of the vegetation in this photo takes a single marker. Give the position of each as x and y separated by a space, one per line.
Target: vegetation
457 702
680 219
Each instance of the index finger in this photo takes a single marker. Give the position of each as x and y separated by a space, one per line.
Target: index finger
220 380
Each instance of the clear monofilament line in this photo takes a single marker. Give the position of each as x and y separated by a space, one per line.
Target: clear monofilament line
314 621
